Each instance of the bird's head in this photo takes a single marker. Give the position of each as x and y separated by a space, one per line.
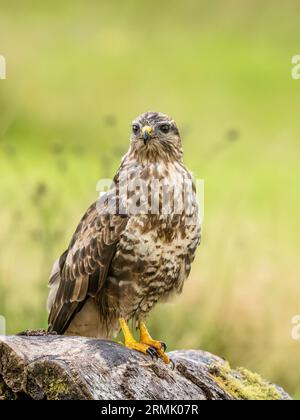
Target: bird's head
155 137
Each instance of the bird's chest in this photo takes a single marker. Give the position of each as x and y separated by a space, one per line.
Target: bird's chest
150 259
149 263
151 240
148 240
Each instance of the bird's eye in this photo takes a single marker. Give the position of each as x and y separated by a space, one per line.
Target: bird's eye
164 128
135 128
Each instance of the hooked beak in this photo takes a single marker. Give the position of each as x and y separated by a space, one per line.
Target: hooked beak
146 131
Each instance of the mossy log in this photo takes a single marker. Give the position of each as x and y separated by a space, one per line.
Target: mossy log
57 367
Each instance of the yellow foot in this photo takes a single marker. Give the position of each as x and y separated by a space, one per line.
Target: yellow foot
157 345
146 345
142 348
132 344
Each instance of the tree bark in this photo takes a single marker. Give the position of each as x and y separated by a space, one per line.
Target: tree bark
59 367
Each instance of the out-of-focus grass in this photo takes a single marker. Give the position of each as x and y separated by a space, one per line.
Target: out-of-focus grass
78 73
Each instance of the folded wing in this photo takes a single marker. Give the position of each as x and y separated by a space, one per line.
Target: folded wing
82 270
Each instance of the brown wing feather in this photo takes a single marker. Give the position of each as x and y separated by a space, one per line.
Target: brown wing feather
84 266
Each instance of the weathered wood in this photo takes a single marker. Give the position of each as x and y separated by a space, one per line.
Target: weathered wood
57 367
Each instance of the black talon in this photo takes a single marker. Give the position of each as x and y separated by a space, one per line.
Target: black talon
156 354
163 346
152 352
173 364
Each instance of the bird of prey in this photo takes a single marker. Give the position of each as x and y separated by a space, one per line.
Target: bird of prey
134 246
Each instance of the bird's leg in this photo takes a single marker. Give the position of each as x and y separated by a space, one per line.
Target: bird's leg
131 343
146 338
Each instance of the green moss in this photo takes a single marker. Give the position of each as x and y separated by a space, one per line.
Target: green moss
243 384
57 389
57 386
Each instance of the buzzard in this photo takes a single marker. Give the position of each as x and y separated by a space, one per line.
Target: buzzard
134 246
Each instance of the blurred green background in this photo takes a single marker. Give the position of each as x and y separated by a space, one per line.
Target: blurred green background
78 72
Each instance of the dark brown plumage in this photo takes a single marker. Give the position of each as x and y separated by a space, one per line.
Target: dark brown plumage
126 256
